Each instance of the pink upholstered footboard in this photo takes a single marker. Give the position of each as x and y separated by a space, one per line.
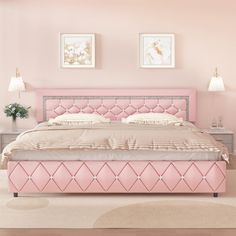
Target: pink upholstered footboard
117 176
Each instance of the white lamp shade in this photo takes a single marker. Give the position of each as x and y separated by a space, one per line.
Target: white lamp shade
216 84
16 84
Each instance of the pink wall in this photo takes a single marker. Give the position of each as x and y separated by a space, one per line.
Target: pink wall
205 38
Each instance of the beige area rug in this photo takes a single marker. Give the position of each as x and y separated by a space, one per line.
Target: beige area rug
170 214
117 210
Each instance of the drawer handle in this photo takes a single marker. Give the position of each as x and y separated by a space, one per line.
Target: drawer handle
220 140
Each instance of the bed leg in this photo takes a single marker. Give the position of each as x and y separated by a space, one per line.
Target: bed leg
215 194
15 194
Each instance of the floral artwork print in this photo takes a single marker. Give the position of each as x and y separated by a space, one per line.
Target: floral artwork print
78 50
157 50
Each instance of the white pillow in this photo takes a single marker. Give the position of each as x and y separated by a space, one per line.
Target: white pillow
152 118
79 118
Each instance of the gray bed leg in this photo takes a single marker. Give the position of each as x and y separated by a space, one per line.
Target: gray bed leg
15 194
215 194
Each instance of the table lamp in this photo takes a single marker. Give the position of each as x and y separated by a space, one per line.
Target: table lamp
16 84
216 85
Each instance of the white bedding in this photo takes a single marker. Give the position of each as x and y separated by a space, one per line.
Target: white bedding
115 141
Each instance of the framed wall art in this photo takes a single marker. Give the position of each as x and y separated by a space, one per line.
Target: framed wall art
157 50
77 50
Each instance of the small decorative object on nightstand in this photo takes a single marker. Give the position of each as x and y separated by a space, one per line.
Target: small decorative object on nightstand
16 110
7 137
224 136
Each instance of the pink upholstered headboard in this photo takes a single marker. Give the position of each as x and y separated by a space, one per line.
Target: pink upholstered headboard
116 103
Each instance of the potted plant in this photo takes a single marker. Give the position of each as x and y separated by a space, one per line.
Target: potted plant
15 111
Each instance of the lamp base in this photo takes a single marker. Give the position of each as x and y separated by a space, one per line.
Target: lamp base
217 124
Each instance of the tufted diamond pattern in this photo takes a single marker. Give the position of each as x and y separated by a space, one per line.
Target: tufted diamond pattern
116 176
115 108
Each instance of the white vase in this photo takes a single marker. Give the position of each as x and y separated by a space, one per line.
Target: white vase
14 125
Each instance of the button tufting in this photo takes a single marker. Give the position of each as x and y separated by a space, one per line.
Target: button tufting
111 108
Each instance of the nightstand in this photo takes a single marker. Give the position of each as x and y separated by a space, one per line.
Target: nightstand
224 136
7 137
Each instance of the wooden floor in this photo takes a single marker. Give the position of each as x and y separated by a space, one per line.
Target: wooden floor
117 232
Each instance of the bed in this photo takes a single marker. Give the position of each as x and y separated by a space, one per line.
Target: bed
141 172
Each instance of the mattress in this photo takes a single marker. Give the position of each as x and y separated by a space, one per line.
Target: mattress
111 155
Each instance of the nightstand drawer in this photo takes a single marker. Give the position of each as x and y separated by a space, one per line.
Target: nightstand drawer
229 147
4 145
8 138
224 138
